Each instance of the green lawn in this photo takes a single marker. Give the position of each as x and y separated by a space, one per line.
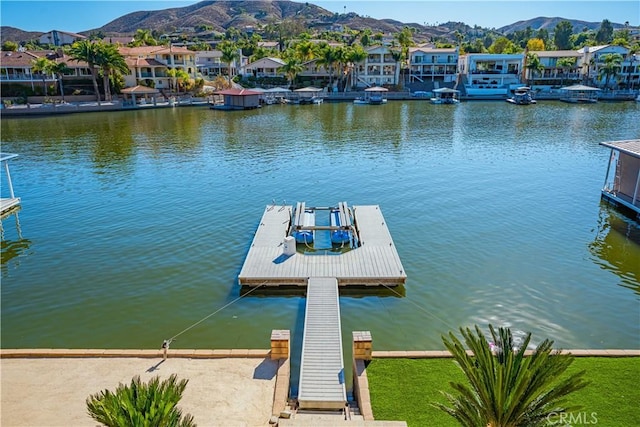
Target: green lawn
402 389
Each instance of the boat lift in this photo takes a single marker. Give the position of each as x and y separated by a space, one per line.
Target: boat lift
342 227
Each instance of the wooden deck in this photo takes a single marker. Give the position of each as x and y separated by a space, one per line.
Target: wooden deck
8 205
375 262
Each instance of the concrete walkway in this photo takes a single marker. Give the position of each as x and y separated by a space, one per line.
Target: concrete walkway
53 391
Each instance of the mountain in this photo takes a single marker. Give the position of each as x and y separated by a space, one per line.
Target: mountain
550 24
221 15
17 35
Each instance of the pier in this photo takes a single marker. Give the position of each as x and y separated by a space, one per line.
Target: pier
364 256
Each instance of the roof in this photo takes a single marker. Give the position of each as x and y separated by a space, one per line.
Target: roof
238 92
152 50
309 89
144 62
629 146
579 87
427 49
376 89
556 53
446 90
139 90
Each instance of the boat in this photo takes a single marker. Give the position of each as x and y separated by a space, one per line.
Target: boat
522 96
372 96
342 236
306 219
445 95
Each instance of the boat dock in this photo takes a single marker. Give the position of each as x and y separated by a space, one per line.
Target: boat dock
364 255
8 204
374 262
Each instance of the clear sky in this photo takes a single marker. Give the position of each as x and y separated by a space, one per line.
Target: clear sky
77 16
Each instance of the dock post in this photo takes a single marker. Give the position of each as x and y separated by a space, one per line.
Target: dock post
362 345
280 344
362 353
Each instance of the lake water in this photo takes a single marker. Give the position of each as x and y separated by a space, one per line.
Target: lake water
134 225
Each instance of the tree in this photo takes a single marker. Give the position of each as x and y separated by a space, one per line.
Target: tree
565 64
111 63
328 58
503 45
505 388
87 51
397 56
43 65
535 44
534 65
355 56
142 405
59 69
9 46
143 38
229 55
562 35
605 32
291 68
612 65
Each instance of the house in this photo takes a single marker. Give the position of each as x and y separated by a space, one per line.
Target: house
432 64
59 38
592 60
379 68
561 67
209 64
149 65
264 67
16 68
621 186
485 74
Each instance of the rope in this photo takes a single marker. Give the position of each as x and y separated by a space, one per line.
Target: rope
420 307
166 343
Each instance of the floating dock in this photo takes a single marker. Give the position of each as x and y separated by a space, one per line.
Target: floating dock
8 204
374 262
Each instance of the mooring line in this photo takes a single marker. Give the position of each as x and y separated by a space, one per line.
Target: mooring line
166 343
421 308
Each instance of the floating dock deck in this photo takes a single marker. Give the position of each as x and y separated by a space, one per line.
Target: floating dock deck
374 262
8 204
321 383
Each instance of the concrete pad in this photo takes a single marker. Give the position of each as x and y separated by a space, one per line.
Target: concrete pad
53 391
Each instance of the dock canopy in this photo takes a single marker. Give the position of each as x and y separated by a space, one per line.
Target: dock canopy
622 180
376 89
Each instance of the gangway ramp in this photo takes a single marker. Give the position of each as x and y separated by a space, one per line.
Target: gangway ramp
321 383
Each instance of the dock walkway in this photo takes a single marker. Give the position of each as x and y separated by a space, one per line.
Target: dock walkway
322 368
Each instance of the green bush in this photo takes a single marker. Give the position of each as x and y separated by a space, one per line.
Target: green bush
142 405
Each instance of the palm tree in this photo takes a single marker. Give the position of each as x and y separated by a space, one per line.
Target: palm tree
328 58
140 404
507 389
397 56
291 68
565 65
59 69
229 55
87 51
110 62
43 65
356 55
612 64
533 65
143 38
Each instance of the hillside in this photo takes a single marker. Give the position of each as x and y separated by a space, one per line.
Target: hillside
549 24
221 15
